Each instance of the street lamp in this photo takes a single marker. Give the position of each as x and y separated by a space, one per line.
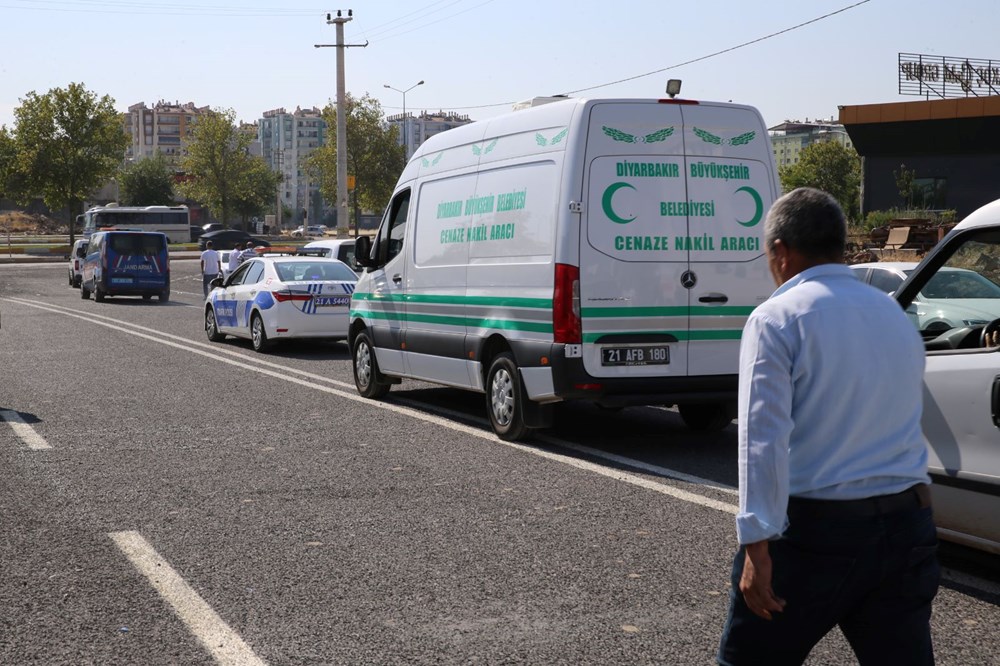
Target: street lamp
406 144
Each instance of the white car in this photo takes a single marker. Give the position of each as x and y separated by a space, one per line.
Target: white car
952 297
316 230
961 416
76 261
340 248
271 298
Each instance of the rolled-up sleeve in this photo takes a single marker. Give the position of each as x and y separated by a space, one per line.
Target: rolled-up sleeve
764 425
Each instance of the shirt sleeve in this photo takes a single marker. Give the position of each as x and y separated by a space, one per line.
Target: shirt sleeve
764 424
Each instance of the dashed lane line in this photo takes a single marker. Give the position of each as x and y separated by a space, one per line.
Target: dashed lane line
24 430
224 644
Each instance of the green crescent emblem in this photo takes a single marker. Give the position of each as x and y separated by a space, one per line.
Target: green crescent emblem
758 202
606 203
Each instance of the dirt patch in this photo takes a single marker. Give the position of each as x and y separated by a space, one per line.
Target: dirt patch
30 224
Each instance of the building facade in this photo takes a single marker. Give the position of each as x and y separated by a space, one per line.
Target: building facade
286 140
413 131
166 127
791 137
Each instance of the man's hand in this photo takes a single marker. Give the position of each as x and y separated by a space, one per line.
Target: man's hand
755 583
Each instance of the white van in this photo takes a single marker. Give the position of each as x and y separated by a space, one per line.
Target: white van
603 250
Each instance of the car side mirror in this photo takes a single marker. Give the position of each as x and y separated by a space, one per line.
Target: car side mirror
362 252
216 282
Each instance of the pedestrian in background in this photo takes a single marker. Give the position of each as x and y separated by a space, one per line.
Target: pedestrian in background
834 522
210 266
234 258
248 252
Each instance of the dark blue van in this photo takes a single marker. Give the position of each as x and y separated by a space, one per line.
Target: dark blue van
126 263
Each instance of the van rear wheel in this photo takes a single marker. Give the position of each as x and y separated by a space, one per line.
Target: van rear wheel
504 398
706 417
98 294
367 378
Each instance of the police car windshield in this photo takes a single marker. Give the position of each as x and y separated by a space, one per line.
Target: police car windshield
296 271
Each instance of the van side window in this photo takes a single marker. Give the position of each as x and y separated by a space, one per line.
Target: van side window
397 224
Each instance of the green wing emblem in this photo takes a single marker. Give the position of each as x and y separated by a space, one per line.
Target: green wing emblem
742 139
618 135
476 150
559 137
660 135
437 159
707 137
492 145
541 140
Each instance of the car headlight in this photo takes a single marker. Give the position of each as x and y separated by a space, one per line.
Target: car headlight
974 322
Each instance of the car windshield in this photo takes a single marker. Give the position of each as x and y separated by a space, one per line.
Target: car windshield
296 271
959 284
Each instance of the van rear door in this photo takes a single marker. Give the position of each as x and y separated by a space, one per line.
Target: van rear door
672 258
137 261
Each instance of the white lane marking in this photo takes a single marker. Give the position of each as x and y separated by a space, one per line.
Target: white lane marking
417 414
224 644
24 430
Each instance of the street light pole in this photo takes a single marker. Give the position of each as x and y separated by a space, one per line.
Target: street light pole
406 143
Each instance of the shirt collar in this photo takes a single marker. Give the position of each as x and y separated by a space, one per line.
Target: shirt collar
814 273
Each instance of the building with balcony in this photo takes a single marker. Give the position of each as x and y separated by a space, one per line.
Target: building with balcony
166 127
413 131
286 140
791 137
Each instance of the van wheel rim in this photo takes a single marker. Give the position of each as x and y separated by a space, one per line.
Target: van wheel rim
257 333
363 364
502 397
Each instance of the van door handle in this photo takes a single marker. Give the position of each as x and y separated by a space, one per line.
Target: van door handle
714 298
397 278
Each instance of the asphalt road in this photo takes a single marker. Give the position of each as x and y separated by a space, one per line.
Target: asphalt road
172 501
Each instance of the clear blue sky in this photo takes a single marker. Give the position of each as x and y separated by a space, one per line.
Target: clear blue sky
256 55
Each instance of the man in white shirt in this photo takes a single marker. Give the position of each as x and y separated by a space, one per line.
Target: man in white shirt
234 258
834 524
210 266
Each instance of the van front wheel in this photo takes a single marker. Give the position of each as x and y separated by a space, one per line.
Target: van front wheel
504 398
706 417
367 378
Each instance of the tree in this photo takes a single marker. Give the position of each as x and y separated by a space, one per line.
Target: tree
904 183
147 182
256 189
374 156
11 177
69 143
218 163
831 167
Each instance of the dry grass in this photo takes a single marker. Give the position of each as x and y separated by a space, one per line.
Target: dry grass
31 224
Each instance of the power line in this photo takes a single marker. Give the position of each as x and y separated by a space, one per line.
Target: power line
389 34
147 9
687 62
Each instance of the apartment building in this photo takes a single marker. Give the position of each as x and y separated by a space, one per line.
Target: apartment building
166 127
792 136
413 131
286 139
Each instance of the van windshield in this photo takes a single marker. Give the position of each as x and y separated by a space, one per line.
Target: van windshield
136 244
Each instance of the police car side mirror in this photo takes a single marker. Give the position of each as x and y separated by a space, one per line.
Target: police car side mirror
362 252
217 282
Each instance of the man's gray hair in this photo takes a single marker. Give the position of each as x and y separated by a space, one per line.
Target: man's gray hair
809 221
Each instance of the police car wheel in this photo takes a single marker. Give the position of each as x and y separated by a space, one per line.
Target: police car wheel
504 398
258 336
212 327
708 418
367 378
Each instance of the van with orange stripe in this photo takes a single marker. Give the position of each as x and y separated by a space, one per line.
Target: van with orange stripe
601 250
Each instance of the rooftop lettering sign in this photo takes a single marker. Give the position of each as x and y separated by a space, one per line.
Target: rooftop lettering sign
944 77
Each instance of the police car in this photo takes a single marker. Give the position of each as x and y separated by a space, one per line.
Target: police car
280 296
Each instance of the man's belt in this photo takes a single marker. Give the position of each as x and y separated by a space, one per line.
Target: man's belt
914 497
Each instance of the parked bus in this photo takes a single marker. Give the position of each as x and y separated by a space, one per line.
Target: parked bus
174 221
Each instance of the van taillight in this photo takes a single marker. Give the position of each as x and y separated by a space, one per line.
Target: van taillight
566 325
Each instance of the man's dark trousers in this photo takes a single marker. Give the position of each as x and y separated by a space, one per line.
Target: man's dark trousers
869 566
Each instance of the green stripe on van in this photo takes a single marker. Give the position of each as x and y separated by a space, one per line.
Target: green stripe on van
684 336
669 311
471 322
499 301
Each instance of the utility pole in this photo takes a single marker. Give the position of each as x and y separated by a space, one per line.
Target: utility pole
339 21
